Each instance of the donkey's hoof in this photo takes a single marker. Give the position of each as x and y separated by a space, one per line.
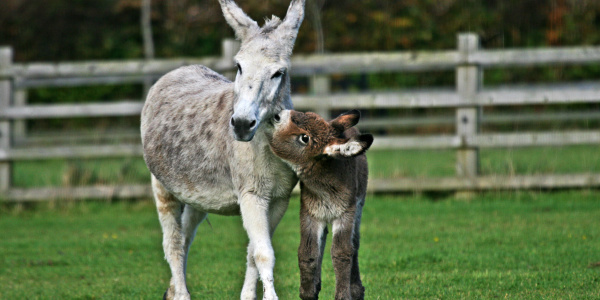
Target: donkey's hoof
170 295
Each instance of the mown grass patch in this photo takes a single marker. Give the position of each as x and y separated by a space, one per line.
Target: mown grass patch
516 161
507 245
382 164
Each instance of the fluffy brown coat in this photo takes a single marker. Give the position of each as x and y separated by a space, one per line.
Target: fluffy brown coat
329 159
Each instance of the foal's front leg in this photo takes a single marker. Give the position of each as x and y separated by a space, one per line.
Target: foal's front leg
310 254
255 218
321 252
341 253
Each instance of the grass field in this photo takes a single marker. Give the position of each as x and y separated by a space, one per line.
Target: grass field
524 245
516 245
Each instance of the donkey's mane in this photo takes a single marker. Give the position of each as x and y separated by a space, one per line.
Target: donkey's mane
270 24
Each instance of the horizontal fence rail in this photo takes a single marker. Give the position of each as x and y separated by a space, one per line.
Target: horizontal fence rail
442 184
381 143
466 100
303 65
501 96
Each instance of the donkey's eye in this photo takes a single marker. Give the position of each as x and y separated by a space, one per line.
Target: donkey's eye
277 74
277 118
239 67
303 139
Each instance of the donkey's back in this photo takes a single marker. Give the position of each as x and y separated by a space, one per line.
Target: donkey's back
186 139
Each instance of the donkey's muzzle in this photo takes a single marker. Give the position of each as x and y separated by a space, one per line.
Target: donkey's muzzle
243 129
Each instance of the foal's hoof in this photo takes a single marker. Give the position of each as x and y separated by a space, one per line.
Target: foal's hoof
358 292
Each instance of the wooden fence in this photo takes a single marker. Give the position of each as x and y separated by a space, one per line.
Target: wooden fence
467 99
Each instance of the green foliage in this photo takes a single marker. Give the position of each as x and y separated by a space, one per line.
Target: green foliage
58 30
75 30
509 245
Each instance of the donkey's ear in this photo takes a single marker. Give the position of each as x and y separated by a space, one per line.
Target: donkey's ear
346 148
293 19
237 19
345 120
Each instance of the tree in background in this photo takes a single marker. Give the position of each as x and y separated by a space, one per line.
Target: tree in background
109 29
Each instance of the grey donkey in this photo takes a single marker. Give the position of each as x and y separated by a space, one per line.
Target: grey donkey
329 159
204 141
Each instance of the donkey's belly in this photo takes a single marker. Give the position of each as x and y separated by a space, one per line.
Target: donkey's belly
213 200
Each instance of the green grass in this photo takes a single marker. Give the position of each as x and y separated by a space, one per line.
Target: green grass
382 164
519 161
524 245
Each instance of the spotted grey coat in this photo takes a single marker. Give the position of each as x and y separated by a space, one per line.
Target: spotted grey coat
204 141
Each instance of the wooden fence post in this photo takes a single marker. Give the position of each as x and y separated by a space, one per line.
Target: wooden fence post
5 130
146 25
320 85
229 48
468 83
20 126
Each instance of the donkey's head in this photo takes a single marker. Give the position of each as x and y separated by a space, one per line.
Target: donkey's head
262 83
303 138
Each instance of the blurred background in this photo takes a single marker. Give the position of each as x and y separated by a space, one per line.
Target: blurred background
70 34
501 97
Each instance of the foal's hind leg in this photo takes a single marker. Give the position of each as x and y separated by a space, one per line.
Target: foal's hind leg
169 215
356 287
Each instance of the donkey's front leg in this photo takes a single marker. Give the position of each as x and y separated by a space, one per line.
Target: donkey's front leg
249 288
341 254
310 254
276 212
169 215
255 217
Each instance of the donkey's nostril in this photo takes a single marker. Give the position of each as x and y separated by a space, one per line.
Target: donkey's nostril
252 123
232 122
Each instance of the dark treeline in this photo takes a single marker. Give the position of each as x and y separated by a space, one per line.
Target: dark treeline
54 30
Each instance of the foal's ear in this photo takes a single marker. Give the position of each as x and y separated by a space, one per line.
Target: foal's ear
346 148
345 120
237 19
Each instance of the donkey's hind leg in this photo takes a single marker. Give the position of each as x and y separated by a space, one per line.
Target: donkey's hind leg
189 222
169 215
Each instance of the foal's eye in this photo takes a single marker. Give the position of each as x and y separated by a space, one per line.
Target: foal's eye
239 67
303 139
277 74
277 118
